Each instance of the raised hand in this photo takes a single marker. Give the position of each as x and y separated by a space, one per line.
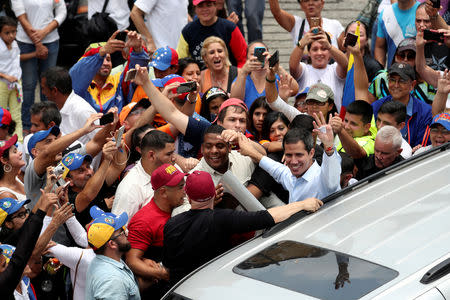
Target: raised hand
62 214
89 126
444 82
323 130
336 123
141 75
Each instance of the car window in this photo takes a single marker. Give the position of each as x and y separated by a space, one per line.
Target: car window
315 271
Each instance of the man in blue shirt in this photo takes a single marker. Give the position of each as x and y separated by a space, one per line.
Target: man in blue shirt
395 23
402 79
301 175
108 277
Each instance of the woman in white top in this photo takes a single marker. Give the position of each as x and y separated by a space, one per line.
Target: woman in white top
10 163
38 40
320 53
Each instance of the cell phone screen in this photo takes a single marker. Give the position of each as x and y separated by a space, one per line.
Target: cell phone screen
186 87
433 36
350 39
106 119
121 36
273 60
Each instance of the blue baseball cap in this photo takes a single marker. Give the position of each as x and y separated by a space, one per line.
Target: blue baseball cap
162 82
303 92
40 135
104 225
7 251
443 119
9 206
73 161
163 58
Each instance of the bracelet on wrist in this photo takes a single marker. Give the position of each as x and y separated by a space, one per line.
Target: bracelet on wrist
329 149
299 44
270 81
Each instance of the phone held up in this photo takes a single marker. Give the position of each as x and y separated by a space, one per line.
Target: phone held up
273 60
314 22
186 87
121 36
350 39
432 35
259 53
131 74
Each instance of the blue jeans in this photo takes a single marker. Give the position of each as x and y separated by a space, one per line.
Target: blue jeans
254 13
31 74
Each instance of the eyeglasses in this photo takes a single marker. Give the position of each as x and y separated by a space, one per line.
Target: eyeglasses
406 55
315 103
22 214
399 81
115 237
439 131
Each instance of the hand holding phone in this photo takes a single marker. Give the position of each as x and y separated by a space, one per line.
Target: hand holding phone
187 87
119 136
436 3
122 36
350 39
106 119
274 59
432 35
131 75
259 53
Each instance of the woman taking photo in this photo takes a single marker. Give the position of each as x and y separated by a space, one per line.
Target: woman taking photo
219 71
11 162
320 53
251 79
189 69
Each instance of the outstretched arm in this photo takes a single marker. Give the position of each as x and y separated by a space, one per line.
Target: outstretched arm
285 19
162 104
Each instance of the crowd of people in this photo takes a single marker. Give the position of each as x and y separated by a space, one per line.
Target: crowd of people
111 184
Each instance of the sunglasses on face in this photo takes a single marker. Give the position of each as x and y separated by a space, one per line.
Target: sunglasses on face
22 214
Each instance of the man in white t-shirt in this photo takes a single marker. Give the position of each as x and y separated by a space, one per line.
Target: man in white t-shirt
118 10
312 9
393 113
135 190
160 22
56 85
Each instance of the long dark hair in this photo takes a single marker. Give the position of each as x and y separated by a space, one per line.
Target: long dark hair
5 155
271 118
259 102
206 99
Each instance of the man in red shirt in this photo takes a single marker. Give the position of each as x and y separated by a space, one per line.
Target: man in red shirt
146 229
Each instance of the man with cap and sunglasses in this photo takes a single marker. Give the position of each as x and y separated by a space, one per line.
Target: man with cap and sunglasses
402 79
146 229
108 277
200 234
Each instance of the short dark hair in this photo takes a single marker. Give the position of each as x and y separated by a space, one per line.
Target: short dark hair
58 77
361 108
347 163
296 135
100 250
136 142
238 109
184 62
303 121
394 108
215 129
271 118
155 140
7 21
49 111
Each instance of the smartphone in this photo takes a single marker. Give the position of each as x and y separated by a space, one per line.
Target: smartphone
436 3
119 136
273 60
258 52
131 74
433 36
350 39
121 36
186 87
314 22
106 119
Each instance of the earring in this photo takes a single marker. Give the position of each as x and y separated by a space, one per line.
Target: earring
7 168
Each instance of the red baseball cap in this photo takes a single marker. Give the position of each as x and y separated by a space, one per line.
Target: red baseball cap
200 186
5 145
5 116
166 175
231 102
197 2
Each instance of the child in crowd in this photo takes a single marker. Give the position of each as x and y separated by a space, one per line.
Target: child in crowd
10 72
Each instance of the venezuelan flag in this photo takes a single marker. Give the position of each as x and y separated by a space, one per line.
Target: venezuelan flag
349 88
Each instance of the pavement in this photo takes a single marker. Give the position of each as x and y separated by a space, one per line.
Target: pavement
277 38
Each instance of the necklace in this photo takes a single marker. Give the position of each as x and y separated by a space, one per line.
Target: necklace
219 82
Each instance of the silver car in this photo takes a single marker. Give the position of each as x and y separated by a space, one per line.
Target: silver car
387 237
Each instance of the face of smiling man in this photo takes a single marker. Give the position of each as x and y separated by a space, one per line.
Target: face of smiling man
215 151
297 158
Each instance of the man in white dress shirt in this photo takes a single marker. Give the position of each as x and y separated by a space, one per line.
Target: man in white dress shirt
56 85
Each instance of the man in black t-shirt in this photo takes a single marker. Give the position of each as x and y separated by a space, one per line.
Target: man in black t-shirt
200 234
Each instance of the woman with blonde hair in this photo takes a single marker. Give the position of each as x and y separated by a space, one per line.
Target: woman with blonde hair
219 71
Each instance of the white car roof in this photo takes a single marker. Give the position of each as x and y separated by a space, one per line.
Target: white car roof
400 221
